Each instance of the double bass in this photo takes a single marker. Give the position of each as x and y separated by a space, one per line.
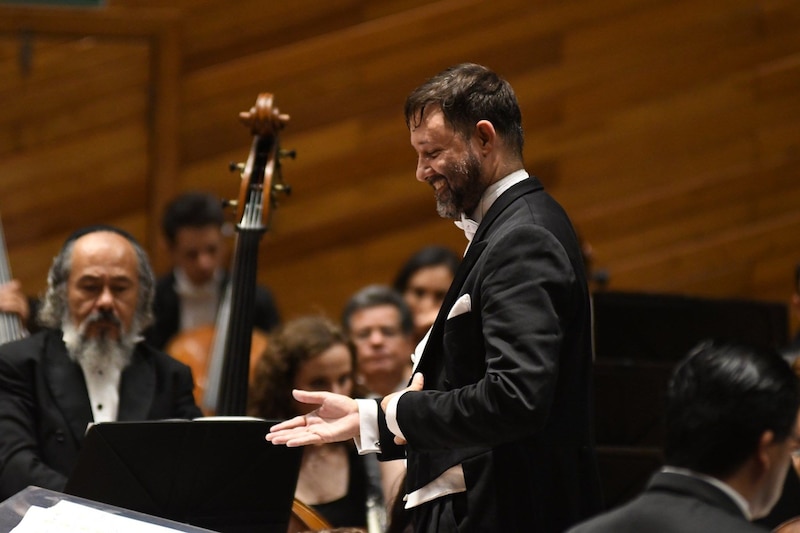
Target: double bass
261 183
260 187
202 349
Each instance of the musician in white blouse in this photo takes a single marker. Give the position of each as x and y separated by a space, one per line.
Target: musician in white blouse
88 363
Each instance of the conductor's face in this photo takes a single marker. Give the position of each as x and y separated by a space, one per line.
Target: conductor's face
449 163
103 285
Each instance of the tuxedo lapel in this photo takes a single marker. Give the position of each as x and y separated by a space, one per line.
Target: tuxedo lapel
523 187
136 388
474 251
437 330
66 382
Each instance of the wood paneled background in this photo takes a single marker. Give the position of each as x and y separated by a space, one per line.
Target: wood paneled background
670 130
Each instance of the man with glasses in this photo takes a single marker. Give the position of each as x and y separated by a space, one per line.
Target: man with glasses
381 328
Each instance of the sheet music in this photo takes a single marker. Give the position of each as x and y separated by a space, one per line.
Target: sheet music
69 517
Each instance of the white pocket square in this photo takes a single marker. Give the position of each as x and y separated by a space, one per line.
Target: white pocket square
462 305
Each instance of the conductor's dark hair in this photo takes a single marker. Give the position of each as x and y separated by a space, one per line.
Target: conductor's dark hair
466 94
721 399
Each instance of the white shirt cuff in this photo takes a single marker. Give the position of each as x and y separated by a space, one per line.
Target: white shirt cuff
391 416
368 439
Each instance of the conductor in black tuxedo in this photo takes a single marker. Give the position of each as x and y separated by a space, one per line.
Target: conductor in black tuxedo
731 427
497 418
87 364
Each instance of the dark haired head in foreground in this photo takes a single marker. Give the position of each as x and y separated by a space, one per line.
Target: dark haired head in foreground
731 427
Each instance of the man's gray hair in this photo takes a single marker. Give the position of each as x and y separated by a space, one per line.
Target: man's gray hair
55 307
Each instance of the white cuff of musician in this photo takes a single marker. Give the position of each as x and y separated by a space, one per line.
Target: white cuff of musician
391 416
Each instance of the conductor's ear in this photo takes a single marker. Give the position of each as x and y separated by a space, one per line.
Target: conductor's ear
486 135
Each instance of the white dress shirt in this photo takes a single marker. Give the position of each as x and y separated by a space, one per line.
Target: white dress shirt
198 303
102 383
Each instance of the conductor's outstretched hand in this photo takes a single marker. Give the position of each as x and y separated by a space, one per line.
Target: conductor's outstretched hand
335 420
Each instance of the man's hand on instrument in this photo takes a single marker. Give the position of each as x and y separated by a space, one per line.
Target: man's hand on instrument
13 300
335 420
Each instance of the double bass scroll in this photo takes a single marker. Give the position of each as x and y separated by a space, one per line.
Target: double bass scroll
261 182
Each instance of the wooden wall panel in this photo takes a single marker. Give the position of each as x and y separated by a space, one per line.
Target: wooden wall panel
89 110
74 123
669 129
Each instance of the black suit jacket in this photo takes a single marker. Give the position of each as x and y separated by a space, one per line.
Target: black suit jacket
45 410
508 384
166 308
674 503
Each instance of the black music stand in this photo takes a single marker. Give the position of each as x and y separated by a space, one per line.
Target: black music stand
216 473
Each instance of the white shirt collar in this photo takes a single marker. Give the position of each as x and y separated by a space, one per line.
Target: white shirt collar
198 303
490 195
185 287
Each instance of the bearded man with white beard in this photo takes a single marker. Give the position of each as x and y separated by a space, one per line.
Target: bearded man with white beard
88 364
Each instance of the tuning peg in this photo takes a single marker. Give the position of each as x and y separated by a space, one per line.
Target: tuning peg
230 203
282 188
232 166
287 153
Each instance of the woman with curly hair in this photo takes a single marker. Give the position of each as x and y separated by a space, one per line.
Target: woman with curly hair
312 353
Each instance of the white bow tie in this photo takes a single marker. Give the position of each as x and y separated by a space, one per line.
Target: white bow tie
468 225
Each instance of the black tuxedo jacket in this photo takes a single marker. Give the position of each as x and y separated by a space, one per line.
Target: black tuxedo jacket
166 308
45 410
508 384
674 503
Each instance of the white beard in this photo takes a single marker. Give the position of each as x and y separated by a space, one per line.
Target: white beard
96 354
